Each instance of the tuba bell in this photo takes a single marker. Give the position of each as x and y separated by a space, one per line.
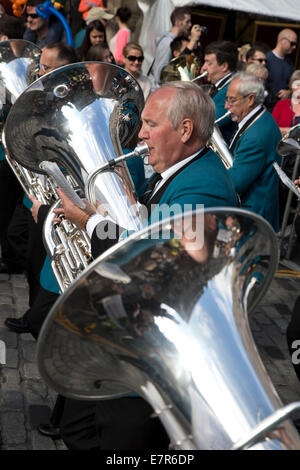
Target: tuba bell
165 316
19 65
80 117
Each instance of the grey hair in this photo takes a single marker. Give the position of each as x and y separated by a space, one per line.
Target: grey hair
249 83
256 68
192 102
295 76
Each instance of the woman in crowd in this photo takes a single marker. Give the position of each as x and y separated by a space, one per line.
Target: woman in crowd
133 58
122 37
287 112
95 34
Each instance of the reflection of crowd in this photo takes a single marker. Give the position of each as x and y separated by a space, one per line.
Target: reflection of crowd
177 122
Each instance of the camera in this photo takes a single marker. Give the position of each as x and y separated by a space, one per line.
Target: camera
203 30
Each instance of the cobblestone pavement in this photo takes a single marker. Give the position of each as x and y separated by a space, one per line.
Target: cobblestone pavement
25 400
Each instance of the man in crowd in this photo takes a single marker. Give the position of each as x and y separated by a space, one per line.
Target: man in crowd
178 120
181 26
254 148
280 66
39 30
220 61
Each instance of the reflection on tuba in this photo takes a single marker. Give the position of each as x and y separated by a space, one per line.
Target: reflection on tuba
80 116
176 333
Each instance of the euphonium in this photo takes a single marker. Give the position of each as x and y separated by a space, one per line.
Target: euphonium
166 317
80 116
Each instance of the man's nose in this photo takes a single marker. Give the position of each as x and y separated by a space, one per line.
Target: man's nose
142 133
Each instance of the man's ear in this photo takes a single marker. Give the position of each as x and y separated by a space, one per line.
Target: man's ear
186 129
224 67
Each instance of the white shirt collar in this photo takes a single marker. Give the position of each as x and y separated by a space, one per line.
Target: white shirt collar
246 118
225 76
170 171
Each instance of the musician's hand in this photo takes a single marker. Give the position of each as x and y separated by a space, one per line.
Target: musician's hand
297 183
72 212
35 207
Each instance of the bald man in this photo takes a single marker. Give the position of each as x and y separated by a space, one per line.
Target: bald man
280 66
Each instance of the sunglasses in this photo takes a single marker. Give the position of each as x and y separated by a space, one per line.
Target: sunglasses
292 43
259 60
133 58
34 16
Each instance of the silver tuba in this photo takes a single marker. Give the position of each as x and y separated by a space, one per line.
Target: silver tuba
164 314
19 65
80 117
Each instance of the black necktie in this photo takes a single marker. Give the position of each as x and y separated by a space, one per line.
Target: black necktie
149 188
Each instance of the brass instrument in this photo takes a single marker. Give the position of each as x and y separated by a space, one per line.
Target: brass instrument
80 116
183 68
218 144
19 65
165 317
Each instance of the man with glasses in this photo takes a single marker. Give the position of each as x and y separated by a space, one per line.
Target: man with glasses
280 66
40 31
254 148
56 55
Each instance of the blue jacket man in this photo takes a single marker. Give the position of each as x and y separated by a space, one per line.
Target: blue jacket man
178 120
254 148
220 61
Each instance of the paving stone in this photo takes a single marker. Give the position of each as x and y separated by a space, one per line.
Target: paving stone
10 338
30 371
35 392
10 379
40 442
12 358
13 428
5 288
5 299
29 351
12 400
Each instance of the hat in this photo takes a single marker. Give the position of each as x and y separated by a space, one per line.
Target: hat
97 13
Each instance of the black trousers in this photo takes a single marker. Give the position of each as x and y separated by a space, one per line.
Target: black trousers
37 314
120 424
293 335
10 193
